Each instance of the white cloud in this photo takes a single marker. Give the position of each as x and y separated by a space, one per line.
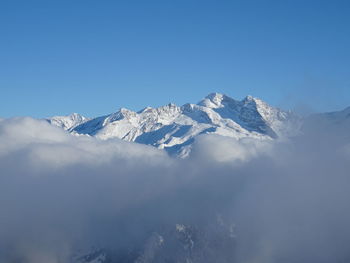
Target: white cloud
288 200
225 149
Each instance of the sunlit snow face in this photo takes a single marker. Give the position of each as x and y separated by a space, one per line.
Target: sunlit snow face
58 192
174 128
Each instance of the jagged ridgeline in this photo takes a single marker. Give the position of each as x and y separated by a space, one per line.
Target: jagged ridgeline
175 128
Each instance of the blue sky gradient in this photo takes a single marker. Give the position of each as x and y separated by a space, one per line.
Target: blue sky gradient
93 57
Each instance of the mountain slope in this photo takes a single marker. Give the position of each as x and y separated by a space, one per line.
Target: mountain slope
174 128
175 243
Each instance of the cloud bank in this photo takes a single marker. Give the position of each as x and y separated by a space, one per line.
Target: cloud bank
244 201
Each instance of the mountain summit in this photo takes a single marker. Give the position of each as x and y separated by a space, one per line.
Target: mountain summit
174 128
68 122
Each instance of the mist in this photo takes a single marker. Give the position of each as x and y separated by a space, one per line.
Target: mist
243 200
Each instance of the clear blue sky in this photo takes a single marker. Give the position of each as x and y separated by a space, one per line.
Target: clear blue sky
92 57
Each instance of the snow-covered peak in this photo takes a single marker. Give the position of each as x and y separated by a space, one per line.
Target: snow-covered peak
218 100
126 113
215 100
146 109
250 100
67 122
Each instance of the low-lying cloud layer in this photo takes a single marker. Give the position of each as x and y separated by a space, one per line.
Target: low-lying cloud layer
282 201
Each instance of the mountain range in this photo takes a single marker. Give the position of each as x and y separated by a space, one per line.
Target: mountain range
174 128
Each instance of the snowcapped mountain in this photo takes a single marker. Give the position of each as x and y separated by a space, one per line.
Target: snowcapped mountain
67 122
174 128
